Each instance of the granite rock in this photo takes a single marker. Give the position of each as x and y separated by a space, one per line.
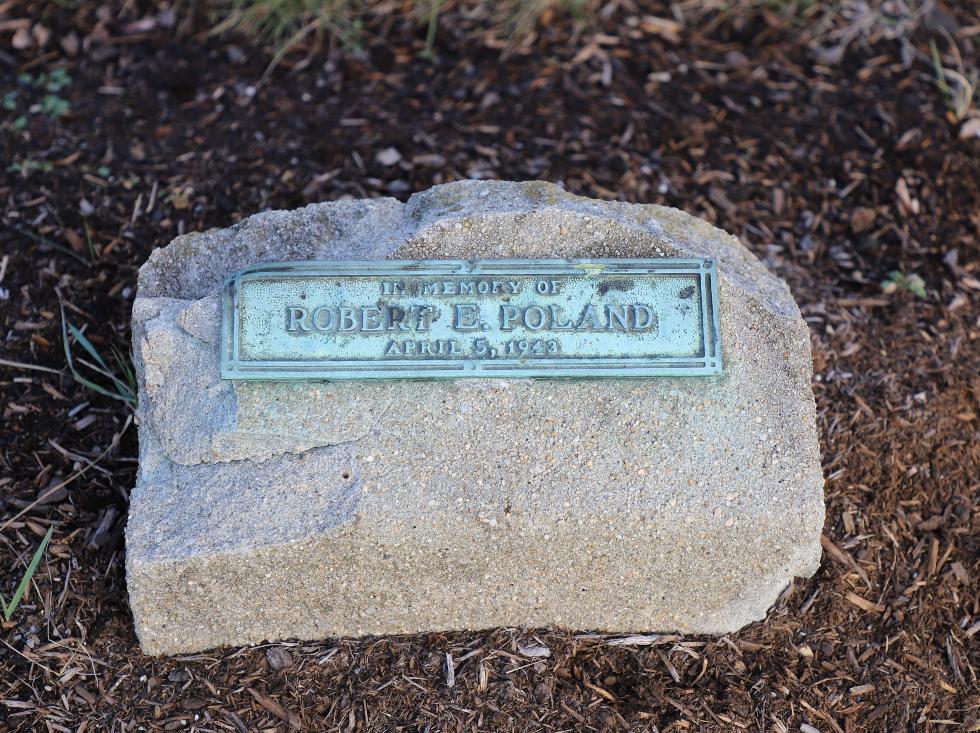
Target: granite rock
268 510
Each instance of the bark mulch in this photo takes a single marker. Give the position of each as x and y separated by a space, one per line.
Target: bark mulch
827 141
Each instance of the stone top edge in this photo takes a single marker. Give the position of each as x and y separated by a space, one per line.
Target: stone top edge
197 264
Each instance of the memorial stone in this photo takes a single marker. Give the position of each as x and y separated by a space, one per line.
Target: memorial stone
497 404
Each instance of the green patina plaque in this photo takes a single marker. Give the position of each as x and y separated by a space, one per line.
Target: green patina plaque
472 318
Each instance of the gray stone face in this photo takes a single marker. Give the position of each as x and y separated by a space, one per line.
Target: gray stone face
268 510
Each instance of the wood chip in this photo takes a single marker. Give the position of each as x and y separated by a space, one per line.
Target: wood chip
276 709
863 603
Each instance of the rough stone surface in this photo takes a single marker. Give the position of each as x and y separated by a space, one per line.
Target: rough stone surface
267 510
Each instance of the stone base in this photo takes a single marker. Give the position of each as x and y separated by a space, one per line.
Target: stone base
269 510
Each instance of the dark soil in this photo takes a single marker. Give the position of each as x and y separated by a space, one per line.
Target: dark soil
835 171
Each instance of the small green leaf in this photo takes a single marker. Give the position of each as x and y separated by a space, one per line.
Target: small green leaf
57 80
54 106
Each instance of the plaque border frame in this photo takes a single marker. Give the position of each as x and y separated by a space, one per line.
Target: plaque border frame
232 367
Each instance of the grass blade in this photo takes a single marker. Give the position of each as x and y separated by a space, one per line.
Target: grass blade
54 245
127 371
9 608
121 387
87 345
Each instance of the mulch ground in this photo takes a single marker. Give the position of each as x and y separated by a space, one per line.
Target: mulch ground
830 149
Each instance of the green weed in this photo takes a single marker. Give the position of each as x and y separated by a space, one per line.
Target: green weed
50 81
52 104
897 280
121 388
959 95
283 21
435 6
286 23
